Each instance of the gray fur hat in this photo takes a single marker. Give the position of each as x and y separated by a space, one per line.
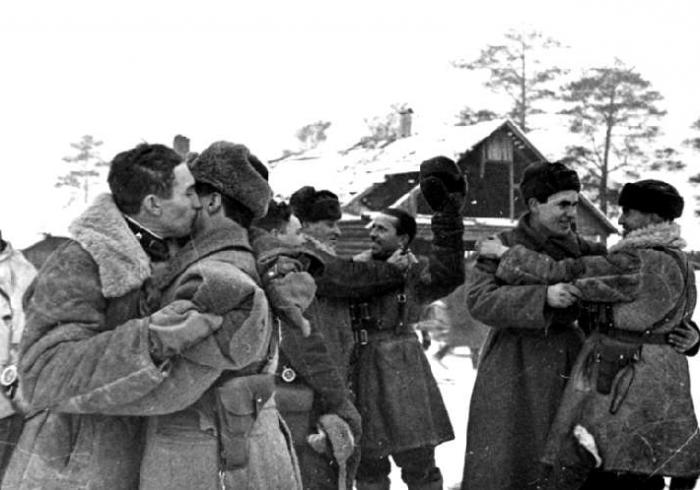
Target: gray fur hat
234 171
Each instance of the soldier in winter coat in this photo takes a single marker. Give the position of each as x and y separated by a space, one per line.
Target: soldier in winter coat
532 344
89 348
403 414
627 409
232 433
16 274
318 364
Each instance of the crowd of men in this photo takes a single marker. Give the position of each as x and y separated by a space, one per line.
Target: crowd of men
196 334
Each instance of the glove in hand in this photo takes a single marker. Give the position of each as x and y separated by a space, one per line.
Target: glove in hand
177 326
443 185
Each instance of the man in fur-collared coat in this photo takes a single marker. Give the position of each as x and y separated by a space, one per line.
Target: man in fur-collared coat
89 346
627 409
232 434
532 344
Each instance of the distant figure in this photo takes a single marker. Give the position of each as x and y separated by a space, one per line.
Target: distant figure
464 330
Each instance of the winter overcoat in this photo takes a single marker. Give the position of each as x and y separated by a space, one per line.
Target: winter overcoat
524 365
217 272
398 397
321 360
646 424
84 357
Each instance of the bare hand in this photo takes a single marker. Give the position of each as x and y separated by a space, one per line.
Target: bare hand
491 247
402 260
562 295
683 337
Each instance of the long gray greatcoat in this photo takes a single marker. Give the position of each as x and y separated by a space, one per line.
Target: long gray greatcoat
321 361
217 272
524 365
655 430
398 397
84 357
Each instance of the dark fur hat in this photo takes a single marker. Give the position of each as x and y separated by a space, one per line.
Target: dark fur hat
236 173
652 196
311 205
542 179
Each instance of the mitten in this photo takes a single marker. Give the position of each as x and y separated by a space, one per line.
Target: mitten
443 185
177 326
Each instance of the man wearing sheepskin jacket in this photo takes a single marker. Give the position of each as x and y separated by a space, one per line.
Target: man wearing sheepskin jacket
231 435
627 416
90 348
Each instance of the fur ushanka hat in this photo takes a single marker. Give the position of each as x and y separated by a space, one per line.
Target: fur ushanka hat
235 172
652 196
542 179
310 205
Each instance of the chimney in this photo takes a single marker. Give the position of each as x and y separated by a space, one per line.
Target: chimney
181 145
405 120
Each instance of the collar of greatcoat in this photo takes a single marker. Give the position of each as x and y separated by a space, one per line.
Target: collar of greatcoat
102 231
227 236
667 234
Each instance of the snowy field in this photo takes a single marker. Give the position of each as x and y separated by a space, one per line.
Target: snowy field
455 377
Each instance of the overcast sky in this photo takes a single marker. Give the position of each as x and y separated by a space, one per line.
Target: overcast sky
254 72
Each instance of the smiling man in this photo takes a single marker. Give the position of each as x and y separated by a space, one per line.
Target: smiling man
403 414
533 342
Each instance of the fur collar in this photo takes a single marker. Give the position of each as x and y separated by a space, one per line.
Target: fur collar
8 253
319 245
102 231
667 234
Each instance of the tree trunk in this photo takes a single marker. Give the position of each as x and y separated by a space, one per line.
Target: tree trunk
523 91
609 123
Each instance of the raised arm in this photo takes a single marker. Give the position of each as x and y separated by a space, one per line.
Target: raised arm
443 270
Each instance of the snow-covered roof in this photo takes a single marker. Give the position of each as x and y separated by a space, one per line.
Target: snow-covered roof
349 172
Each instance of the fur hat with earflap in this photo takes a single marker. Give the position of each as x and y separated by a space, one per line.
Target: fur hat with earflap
235 172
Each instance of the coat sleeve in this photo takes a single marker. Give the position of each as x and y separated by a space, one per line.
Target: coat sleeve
497 304
312 361
343 278
610 278
218 287
443 270
69 358
221 288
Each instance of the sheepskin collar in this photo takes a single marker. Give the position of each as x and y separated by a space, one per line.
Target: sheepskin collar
8 253
666 234
318 244
102 231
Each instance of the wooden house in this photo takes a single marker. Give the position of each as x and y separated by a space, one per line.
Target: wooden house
493 155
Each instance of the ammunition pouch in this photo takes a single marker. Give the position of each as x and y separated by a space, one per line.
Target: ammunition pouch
611 359
238 402
295 404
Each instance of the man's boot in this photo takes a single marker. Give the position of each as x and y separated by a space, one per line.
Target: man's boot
382 484
435 483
